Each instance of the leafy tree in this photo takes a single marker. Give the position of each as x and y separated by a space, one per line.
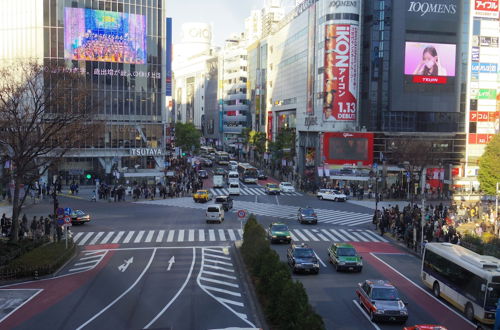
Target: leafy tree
187 136
489 166
44 112
285 140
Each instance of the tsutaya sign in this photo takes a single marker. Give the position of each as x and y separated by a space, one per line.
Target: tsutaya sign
146 152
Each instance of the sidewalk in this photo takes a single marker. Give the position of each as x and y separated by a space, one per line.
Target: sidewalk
370 203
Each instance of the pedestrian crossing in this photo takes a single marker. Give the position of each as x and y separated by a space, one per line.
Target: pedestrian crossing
218 235
332 217
247 191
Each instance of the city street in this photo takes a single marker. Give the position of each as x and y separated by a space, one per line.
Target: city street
154 260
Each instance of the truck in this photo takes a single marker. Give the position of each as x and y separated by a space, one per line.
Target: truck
218 181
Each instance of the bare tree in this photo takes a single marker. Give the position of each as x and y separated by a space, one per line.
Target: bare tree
45 110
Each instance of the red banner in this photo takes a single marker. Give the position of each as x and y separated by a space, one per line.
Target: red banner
270 125
480 138
340 73
430 80
486 5
483 116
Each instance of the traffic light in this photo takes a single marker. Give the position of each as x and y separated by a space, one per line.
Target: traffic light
88 176
183 154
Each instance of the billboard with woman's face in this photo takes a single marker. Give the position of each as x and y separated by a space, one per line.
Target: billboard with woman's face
430 60
104 36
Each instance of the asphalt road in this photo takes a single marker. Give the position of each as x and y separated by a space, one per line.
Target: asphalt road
160 265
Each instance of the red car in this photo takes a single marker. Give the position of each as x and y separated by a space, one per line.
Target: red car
425 327
381 300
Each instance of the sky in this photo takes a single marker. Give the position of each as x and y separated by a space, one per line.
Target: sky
227 16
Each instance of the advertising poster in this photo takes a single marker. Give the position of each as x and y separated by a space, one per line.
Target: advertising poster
340 73
104 36
348 148
310 59
430 63
270 125
486 8
475 54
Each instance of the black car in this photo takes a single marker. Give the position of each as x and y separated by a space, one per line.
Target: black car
302 259
307 215
225 201
206 162
203 174
261 175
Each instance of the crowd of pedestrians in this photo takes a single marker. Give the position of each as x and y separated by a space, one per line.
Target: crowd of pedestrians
35 229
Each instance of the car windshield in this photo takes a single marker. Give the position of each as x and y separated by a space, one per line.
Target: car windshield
272 186
220 200
79 212
303 253
213 209
346 252
385 294
493 295
307 211
286 184
279 228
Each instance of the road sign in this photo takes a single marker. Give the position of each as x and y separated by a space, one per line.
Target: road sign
67 219
67 211
408 175
60 212
60 221
242 214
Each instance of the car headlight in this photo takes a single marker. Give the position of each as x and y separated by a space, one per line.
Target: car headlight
289 236
403 312
342 263
379 311
274 236
316 265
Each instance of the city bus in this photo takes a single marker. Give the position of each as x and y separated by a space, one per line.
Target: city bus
205 151
248 173
222 158
467 280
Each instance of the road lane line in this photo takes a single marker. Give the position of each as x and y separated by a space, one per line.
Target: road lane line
321 261
86 262
122 295
96 238
219 268
217 256
301 236
118 237
219 274
80 268
191 235
212 288
91 257
77 237
176 295
277 200
365 314
232 236
86 238
219 262
129 237
139 236
422 289
222 236
201 235
22 304
232 302
211 235
107 238
170 237
180 237
214 250
159 239
206 279
149 238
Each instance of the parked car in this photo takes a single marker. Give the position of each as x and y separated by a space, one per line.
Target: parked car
225 201
215 213
302 258
272 189
203 174
381 300
234 188
307 215
261 175
344 257
202 196
331 195
286 187
79 217
279 232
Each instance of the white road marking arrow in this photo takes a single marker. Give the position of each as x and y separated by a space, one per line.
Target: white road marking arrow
170 263
123 268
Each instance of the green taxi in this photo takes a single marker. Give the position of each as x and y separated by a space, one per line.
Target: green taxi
278 232
344 257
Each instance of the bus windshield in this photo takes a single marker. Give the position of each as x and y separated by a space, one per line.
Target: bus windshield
492 296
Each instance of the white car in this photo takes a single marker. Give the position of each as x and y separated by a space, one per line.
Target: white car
234 188
331 195
215 213
286 187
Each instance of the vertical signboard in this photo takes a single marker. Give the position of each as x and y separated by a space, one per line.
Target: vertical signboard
340 72
486 8
270 125
168 58
311 55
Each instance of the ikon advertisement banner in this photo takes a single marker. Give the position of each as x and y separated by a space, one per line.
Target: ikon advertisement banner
341 73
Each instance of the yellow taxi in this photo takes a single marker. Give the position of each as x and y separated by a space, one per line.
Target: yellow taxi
202 196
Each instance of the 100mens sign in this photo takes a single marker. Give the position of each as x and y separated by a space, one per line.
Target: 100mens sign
424 8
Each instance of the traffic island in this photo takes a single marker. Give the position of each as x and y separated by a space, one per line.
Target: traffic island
40 261
284 301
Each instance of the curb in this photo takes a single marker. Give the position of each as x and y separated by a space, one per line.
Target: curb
399 244
249 288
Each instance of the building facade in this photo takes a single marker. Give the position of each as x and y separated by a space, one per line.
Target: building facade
120 47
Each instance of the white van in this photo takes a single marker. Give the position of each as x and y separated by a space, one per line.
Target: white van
215 213
234 188
233 177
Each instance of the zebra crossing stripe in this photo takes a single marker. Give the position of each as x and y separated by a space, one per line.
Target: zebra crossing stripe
170 237
77 237
108 237
358 235
301 236
191 235
86 238
118 237
376 236
149 237
96 238
219 274
129 237
139 236
330 236
211 235
222 235
180 237
321 237
232 236
308 233
232 302
206 279
347 235
339 235
201 235
160 236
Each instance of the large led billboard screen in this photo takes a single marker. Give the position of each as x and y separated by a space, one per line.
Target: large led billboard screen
430 62
104 36
342 148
